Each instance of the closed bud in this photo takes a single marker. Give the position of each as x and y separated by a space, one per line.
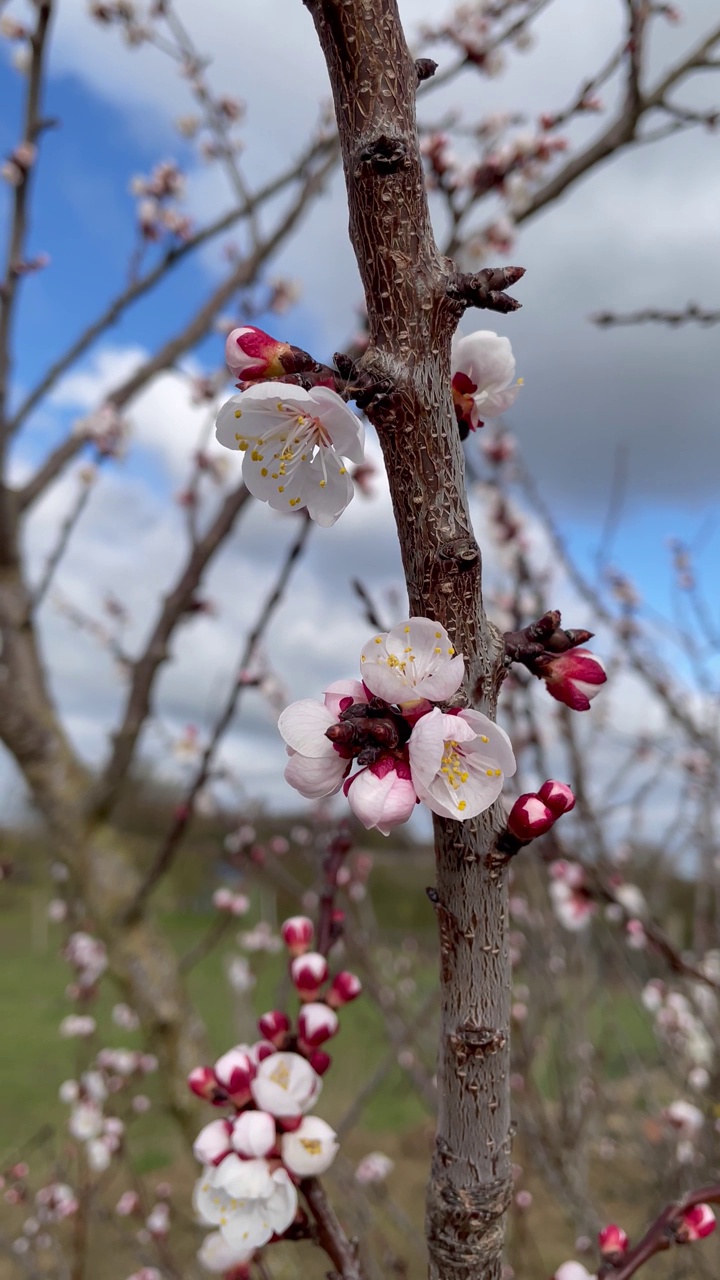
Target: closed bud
529 818
252 355
345 987
298 933
234 1071
213 1142
319 1061
308 973
557 796
573 678
204 1082
253 1134
695 1224
613 1242
316 1024
274 1026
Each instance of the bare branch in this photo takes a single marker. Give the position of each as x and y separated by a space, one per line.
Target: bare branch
342 1252
184 812
692 314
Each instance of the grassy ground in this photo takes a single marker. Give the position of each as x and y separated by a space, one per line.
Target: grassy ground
34 1061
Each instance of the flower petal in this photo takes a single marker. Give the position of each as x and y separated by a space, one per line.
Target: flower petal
326 487
345 429
340 689
316 778
303 726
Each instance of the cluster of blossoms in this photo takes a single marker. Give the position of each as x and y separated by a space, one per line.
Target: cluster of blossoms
680 1026
113 1071
254 1158
408 748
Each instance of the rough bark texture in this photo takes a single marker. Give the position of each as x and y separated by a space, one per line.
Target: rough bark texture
413 309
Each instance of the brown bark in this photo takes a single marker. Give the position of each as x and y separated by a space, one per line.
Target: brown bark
413 307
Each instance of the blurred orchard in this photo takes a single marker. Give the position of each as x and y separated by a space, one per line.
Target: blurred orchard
356 921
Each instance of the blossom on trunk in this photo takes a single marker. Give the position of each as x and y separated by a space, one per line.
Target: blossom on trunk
310 1149
294 444
459 763
382 796
246 1201
483 371
316 767
413 661
285 1085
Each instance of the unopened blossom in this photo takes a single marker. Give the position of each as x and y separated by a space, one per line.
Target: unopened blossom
285 1085
298 931
294 445
248 1202
213 1142
233 1072
695 1224
612 1242
253 1133
86 1121
483 378
251 354
216 1255
158 1221
459 763
317 1023
316 768
309 973
572 1271
128 1204
686 1118
345 987
382 796
98 1155
374 1167
573 678
413 661
529 818
274 1026
310 1149
558 796
573 909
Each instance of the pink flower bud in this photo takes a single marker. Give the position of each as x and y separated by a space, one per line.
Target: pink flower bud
308 973
695 1224
612 1242
234 1071
128 1204
557 796
253 355
298 933
253 1134
203 1082
345 987
573 678
319 1061
529 818
222 900
213 1142
274 1026
316 1024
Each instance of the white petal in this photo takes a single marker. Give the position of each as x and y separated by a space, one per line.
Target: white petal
499 746
340 689
262 476
249 1228
491 404
282 1206
345 429
267 395
243 1179
426 745
486 358
207 1203
326 487
318 777
303 726
311 1149
227 425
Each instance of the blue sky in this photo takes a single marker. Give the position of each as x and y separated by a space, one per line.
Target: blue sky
644 229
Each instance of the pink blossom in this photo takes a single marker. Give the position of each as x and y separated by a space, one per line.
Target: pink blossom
316 1024
309 972
298 933
316 767
459 763
574 677
483 370
382 796
253 1134
252 354
413 661
344 988
213 1142
529 818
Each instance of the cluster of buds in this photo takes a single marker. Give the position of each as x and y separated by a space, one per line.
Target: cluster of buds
18 164
156 215
693 1223
229 903
534 813
254 1158
573 675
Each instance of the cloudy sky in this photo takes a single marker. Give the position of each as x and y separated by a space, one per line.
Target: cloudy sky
642 230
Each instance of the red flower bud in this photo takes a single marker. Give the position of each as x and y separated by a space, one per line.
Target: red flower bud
308 973
573 678
529 818
234 1071
252 355
557 796
298 933
316 1024
204 1082
345 987
613 1242
319 1061
695 1224
274 1026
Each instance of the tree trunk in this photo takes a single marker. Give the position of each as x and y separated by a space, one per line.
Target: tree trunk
413 300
